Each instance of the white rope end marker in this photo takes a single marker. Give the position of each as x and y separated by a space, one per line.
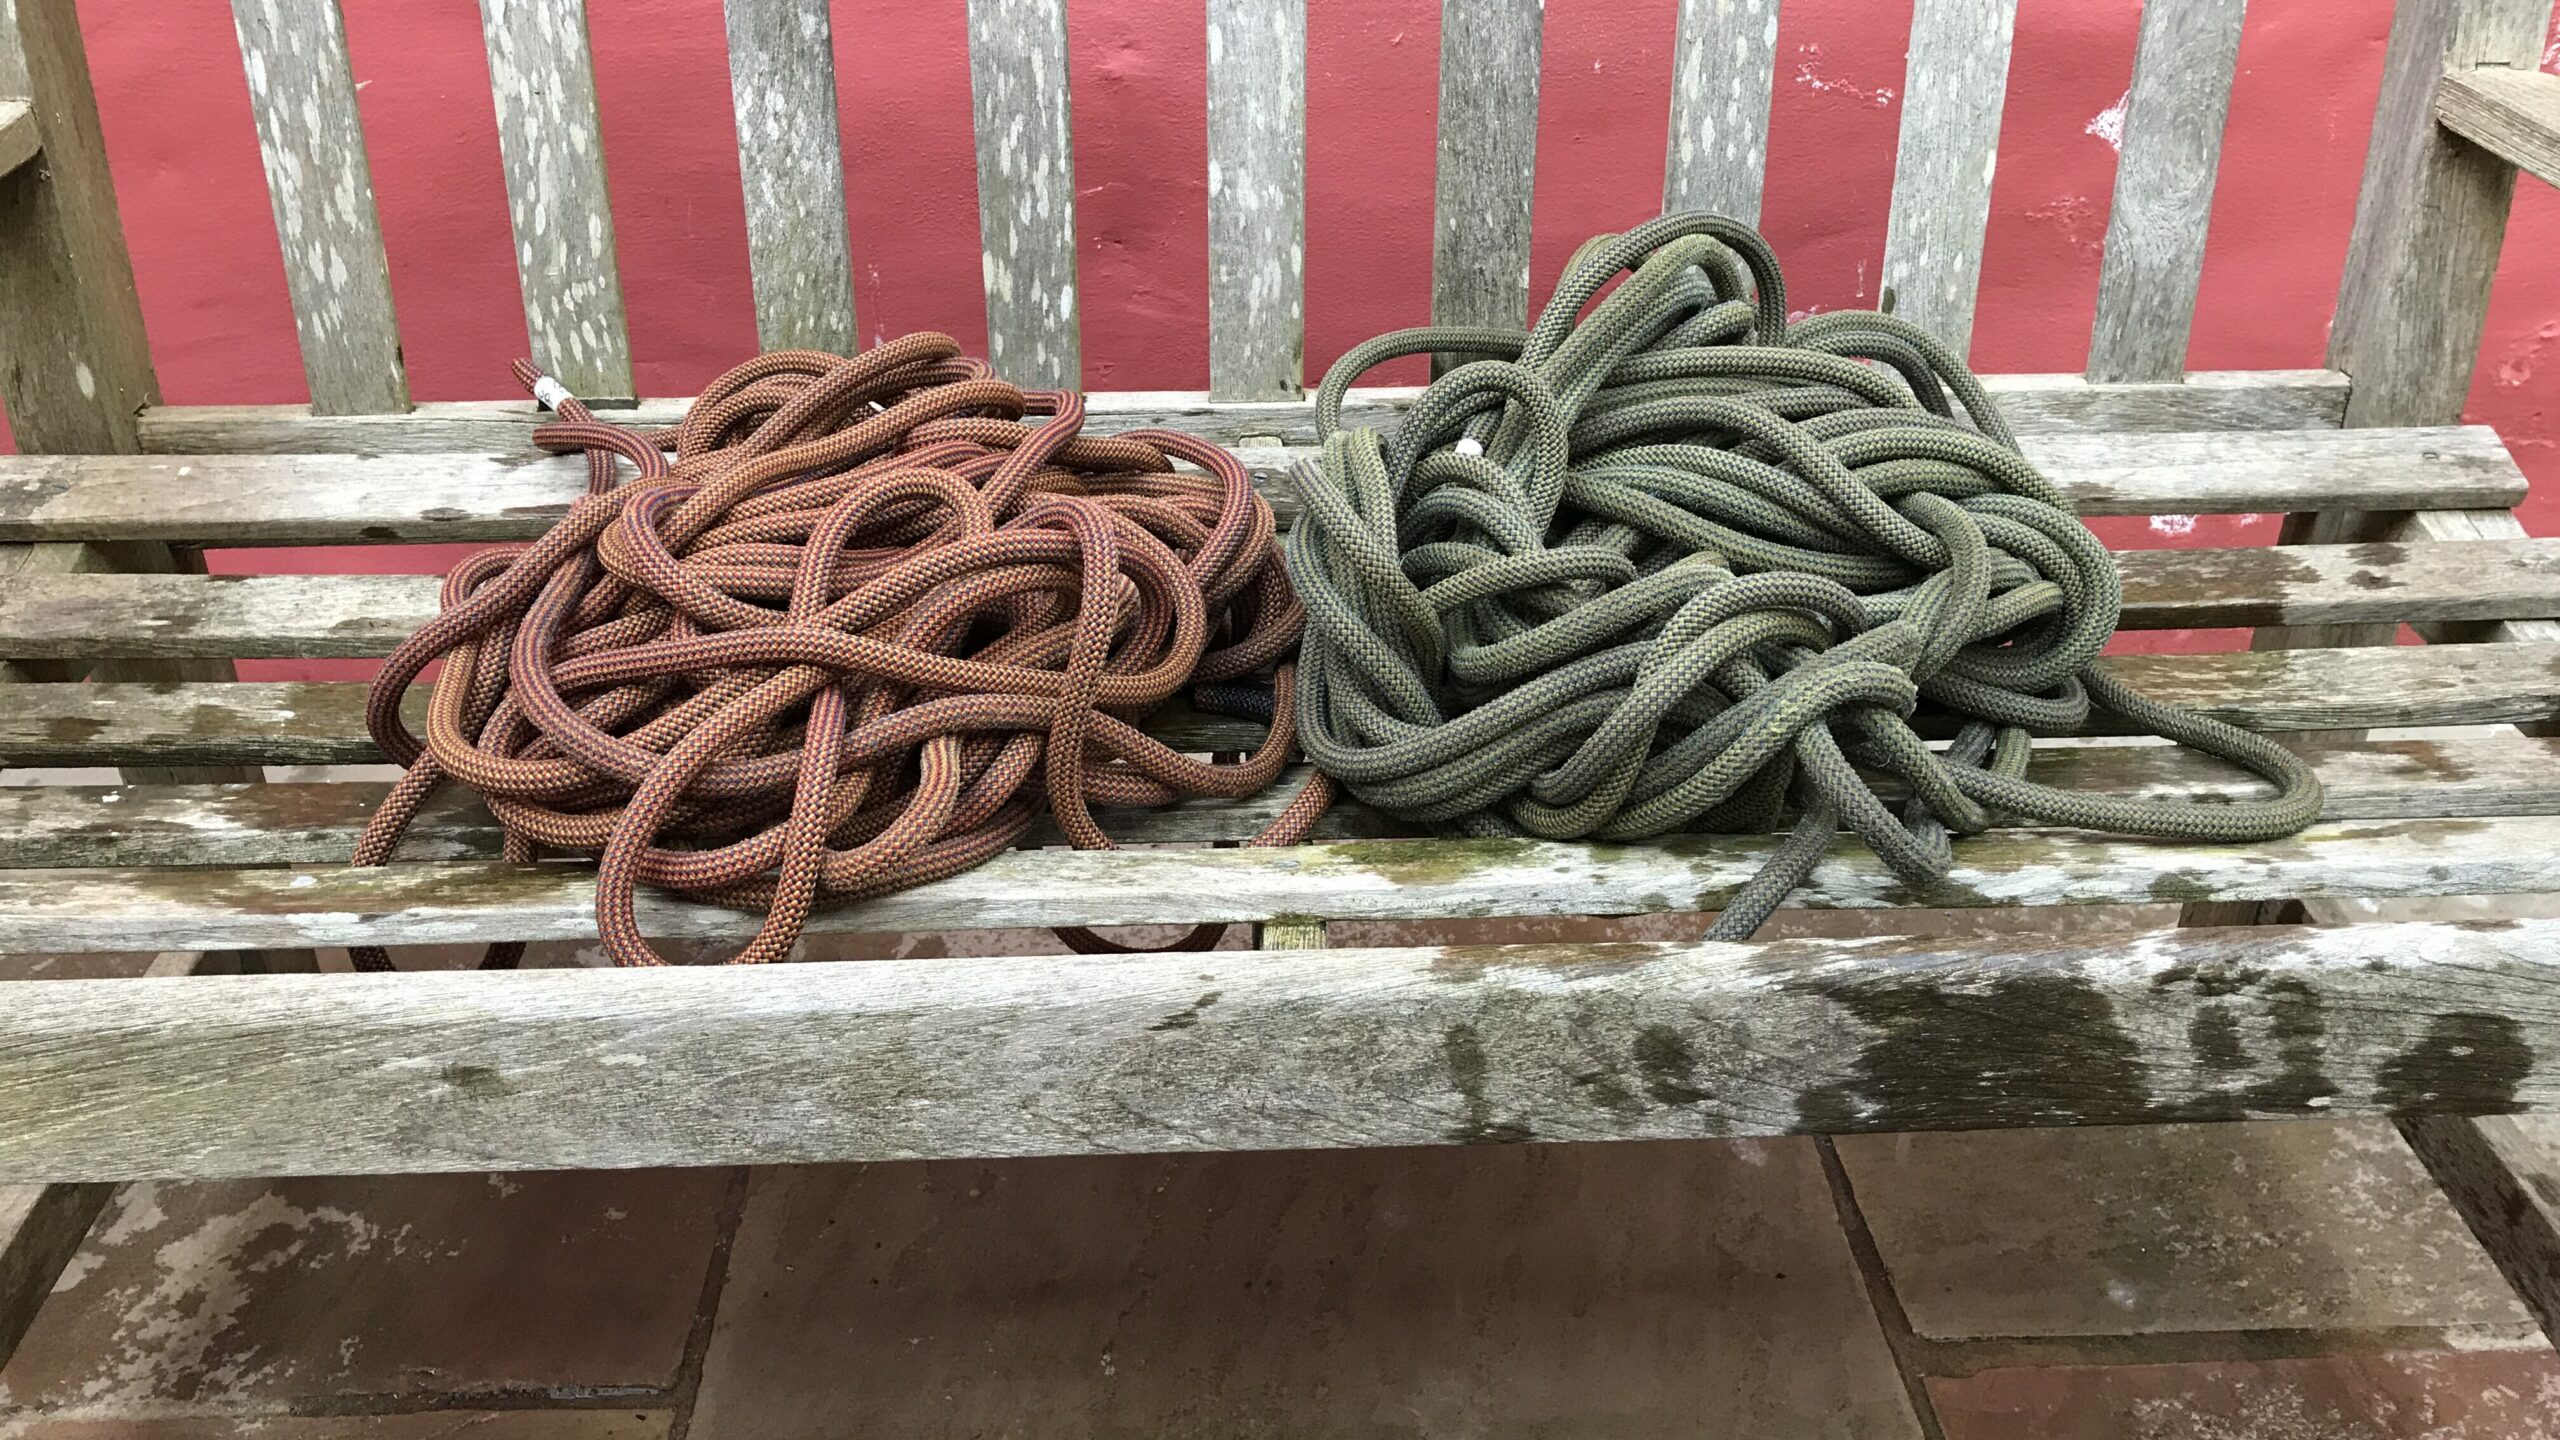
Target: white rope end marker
1468 445
548 393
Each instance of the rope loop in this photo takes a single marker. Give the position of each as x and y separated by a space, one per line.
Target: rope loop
1666 561
849 615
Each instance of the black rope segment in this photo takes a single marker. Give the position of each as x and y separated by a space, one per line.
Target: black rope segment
1675 564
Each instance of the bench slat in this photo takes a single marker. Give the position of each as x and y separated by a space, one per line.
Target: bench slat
1257 198
316 823
93 615
302 92
782 89
543 81
2513 114
323 723
339 499
2034 404
457 902
1954 79
1719 145
2172 147
221 1076
1026 189
1488 134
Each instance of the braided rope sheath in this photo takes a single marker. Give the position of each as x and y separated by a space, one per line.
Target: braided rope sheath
824 648
1677 565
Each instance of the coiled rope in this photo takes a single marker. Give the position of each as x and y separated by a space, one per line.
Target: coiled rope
825 648
1676 564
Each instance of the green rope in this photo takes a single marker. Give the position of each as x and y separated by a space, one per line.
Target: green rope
1677 565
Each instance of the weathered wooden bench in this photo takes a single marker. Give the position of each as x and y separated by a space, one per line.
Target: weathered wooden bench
118 651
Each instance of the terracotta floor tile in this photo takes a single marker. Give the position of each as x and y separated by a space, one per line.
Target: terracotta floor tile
2136 1229
1598 1290
2481 1395
260 1291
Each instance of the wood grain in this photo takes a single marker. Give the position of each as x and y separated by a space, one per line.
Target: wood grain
1954 81
20 141
1719 145
81 615
322 723
2513 114
1488 138
340 499
1026 189
543 80
2034 404
256 1075
460 902
1257 198
316 822
2502 1173
2430 218
2172 148
79 366
302 93
782 87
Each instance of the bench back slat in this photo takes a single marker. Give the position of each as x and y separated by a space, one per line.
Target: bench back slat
552 143
2430 218
1487 156
1952 90
79 366
1026 189
302 93
1257 198
782 84
1720 84
2172 144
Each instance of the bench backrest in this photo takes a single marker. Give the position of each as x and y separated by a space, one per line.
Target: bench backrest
303 97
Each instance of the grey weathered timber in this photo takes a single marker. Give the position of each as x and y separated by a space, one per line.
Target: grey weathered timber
456 902
1026 190
1720 84
1488 153
2034 405
430 1071
1257 198
1293 933
88 615
23 564
19 140
543 80
322 723
2503 1173
316 822
2466 527
337 499
782 84
1953 84
2430 218
79 366
41 1227
2513 114
302 92
2164 188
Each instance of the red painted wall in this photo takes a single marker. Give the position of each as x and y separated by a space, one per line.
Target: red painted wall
175 110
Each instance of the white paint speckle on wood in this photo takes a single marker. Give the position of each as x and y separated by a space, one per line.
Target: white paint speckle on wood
791 161
1953 87
1257 197
1728 52
1026 189
543 82
302 94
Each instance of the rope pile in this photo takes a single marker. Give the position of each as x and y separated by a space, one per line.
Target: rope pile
1678 565
828 646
